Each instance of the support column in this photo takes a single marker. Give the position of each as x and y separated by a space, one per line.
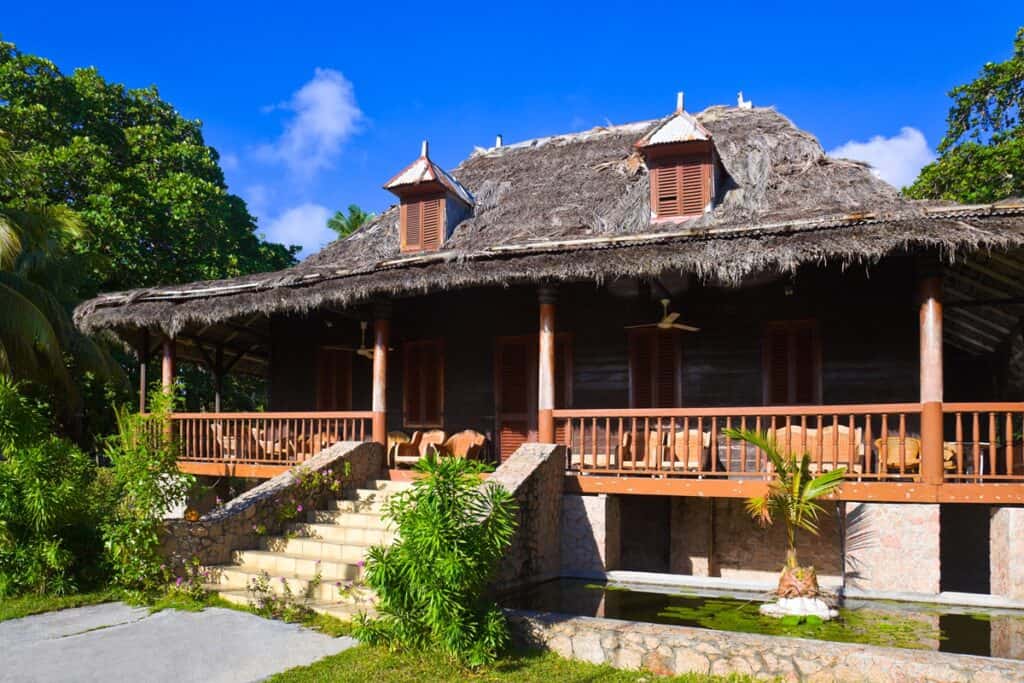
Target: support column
143 352
218 377
931 379
546 368
381 333
167 368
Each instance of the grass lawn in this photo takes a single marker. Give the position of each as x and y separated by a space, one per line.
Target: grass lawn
24 605
365 663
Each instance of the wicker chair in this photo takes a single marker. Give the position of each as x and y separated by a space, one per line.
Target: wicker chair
467 444
419 445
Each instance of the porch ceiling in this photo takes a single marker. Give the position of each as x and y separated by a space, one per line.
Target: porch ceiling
244 344
984 300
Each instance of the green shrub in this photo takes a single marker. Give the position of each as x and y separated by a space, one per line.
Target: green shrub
147 484
431 582
47 539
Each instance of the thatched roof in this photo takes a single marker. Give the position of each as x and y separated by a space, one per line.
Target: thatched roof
576 206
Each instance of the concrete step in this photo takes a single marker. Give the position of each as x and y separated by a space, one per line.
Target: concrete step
348 518
236 579
281 564
387 485
314 548
340 533
345 611
362 505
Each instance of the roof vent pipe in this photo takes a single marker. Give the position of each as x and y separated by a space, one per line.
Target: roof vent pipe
424 149
679 102
497 141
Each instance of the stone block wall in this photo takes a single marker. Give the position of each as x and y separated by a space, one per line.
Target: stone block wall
893 547
675 650
237 524
534 474
1006 552
590 534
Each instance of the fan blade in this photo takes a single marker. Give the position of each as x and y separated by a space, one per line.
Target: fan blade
686 328
365 353
670 318
635 327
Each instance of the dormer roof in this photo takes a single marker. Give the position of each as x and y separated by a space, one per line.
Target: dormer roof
423 171
682 126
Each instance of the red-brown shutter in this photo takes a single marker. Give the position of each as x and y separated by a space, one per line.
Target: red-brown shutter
641 367
666 369
563 383
655 366
423 390
333 379
777 365
514 393
805 372
666 184
431 224
692 190
792 370
412 226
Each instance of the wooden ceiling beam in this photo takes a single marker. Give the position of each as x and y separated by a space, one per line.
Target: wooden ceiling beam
1013 283
979 319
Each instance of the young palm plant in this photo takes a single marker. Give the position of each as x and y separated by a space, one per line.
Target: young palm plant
793 497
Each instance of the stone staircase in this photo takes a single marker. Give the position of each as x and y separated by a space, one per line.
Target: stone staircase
320 559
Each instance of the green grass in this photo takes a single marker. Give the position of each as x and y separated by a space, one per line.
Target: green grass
365 663
26 605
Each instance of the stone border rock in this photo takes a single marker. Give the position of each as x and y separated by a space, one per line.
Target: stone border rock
233 526
674 650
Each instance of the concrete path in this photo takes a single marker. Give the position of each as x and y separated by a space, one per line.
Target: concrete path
114 642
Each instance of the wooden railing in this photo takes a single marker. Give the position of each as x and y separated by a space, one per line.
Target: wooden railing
874 442
264 438
983 442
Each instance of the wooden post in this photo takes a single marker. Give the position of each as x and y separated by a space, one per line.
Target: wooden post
381 333
167 374
218 377
546 368
143 352
931 379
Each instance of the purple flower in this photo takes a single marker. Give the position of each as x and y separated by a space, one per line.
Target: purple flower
284 580
178 581
360 564
298 508
218 500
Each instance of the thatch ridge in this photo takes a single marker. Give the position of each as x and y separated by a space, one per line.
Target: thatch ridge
577 207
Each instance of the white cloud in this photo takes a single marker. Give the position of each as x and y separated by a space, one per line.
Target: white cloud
229 161
305 224
896 160
325 115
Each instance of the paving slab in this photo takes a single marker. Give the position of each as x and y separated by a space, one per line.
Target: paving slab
115 642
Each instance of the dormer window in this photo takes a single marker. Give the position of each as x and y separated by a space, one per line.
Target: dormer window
682 167
432 204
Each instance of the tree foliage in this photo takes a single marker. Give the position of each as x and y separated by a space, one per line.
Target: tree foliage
982 153
148 189
345 225
431 581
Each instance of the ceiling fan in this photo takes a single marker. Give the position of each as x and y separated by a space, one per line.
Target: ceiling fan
363 350
668 321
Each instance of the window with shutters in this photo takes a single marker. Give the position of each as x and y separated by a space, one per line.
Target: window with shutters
422 223
655 368
333 379
423 386
681 186
791 361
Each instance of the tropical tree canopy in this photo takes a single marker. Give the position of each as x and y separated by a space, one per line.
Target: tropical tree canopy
982 153
148 190
346 225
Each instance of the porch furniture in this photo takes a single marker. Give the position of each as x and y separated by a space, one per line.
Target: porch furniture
621 453
394 439
467 444
227 444
833 446
889 452
690 447
272 445
419 445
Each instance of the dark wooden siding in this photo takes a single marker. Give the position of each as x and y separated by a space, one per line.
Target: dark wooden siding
868 328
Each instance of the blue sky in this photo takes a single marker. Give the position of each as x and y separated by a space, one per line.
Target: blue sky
314 106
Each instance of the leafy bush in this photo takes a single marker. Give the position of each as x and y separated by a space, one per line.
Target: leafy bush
46 522
148 484
431 582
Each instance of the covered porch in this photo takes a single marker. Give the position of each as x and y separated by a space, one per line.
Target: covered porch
862 371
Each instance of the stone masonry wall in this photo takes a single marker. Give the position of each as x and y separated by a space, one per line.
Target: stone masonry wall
590 534
893 547
1006 553
675 650
237 524
534 475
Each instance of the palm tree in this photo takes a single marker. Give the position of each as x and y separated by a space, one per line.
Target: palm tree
792 496
346 225
36 331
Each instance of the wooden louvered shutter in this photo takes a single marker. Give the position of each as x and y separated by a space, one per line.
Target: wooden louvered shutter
563 382
333 379
412 227
666 346
792 363
666 190
692 187
655 369
515 393
431 215
423 386
641 368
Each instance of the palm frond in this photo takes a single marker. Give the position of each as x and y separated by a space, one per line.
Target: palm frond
824 484
32 348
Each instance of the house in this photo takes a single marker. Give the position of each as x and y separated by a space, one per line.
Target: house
632 291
